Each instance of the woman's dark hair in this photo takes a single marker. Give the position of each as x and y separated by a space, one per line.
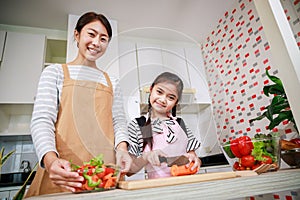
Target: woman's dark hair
91 17
162 78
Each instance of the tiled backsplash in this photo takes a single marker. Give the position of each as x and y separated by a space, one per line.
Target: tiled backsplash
24 150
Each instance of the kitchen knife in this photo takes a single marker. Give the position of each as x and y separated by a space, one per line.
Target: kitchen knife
177 160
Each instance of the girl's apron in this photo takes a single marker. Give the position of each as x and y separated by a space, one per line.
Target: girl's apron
174 148
84 128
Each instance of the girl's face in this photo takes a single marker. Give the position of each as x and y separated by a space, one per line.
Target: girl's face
92 41
163 98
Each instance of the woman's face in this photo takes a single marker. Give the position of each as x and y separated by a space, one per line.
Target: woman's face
92 41
163 98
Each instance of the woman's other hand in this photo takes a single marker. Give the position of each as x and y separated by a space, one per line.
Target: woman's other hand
123 159
60 172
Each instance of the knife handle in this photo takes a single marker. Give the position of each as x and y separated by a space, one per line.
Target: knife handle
162 159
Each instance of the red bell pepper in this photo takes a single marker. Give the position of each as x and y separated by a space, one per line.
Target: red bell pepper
241 146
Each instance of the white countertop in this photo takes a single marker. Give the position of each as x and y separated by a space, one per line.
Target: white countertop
282 180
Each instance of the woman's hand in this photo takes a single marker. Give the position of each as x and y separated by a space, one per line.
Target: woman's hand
192 156
123 159
60 172
153 157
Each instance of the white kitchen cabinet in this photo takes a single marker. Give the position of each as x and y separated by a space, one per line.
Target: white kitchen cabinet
56 51
149 62
20 69
2 42
196 74
153 57
4 194
10 191
129 81
109 62
173 57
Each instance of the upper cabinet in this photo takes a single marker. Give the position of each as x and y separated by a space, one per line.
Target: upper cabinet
109 62
56 51
142 60
21 66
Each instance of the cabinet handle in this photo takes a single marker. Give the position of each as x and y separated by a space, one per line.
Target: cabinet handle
3 49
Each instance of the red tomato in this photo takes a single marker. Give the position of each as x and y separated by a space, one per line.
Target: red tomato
245 145
236 165
101 175
235 148
247 161
109 170
102 184
267 160
95 178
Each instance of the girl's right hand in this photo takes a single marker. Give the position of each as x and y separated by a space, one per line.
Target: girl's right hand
153 156
60 172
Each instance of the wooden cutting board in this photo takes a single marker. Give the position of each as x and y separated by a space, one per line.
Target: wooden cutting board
176 180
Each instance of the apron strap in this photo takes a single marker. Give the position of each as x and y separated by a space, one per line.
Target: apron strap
66 71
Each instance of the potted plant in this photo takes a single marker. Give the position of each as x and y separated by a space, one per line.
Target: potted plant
22 190
279 108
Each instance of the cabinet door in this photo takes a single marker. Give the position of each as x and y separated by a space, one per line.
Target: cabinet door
174 61
197 74
2 41
149 59
4 194
21 67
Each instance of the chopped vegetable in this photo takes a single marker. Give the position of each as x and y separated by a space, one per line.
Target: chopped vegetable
241 146
183 170
97 175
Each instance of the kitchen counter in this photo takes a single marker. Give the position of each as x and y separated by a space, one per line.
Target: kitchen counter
282 180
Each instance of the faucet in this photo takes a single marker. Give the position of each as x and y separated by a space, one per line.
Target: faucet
25 165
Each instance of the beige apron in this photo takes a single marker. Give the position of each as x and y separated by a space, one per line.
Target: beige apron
84 128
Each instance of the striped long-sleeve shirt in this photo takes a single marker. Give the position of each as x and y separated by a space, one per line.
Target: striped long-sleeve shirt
47 102
136 139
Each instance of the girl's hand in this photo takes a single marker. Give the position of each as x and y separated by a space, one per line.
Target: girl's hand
192 156
60 172
152 157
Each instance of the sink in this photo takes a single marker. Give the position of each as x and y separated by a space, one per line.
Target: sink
15 179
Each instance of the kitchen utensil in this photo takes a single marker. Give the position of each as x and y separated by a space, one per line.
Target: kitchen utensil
263 168
177 160
177 180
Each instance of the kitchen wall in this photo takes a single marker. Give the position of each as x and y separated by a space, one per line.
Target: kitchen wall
236 55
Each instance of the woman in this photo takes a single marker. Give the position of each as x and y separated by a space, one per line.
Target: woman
78 113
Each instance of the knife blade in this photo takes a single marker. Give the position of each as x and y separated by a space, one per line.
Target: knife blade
176 160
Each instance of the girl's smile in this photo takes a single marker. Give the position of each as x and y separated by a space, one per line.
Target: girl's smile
163 98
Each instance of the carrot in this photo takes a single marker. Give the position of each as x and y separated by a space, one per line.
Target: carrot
183 170
111 182
86 187
108 176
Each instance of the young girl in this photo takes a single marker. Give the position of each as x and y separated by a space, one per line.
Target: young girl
161 134
78 113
